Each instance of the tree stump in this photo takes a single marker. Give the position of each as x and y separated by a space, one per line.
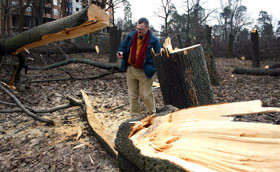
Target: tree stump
183 77
255 47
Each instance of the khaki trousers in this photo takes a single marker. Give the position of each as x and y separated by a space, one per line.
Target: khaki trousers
139 85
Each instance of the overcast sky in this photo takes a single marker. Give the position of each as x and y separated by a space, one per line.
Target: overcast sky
148 8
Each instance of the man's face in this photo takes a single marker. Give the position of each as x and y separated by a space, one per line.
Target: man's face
142 29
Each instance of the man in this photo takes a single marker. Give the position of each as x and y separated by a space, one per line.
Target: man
135 52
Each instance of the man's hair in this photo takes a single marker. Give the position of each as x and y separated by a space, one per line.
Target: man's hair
143 20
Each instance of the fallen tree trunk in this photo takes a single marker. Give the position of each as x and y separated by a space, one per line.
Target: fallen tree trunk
87 21
201 139
257 71
274 66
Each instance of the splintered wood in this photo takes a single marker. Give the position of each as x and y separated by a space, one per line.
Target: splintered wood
97 125
97 20
206 139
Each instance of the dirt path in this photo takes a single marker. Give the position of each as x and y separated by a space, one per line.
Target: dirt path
26 145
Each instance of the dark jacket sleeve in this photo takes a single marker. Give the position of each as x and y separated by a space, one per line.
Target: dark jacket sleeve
125 47
157 46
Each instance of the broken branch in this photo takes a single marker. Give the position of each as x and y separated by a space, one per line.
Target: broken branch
108 66
24 109
74 78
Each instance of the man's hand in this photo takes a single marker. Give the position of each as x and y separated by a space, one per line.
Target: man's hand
120 55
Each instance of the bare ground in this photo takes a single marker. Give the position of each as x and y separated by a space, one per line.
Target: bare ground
28 145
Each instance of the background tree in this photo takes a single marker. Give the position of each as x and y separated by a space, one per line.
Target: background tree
264 24
165 11
232 19
277 32
128 24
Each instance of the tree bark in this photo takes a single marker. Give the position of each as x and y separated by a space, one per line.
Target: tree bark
210 59
230 46
183 78
88 20
255 47
256 71
179 40
115 40
113 44
2 17
204 37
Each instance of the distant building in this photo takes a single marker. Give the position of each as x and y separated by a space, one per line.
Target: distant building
49 10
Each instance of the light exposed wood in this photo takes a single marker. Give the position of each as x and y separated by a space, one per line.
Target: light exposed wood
101 130
97 19
168 46
205 139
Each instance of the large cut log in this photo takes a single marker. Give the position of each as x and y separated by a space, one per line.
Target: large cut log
195 139
183 76
201 139
257 71
89 20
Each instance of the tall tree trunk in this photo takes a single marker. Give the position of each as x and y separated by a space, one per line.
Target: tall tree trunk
33 14
204 37
230 45
210 59
63 7
179 40
255 47
115 39
40 12
2 17
8 17
21 16
183 78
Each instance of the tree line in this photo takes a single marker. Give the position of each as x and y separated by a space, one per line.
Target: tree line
230 34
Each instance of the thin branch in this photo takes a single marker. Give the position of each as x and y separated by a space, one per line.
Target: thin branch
7 103
72 102
74 78
23 128
107 66
25 109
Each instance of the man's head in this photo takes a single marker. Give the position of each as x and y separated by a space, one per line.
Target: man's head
142 26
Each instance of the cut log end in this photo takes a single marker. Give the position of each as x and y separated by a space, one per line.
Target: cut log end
203 139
